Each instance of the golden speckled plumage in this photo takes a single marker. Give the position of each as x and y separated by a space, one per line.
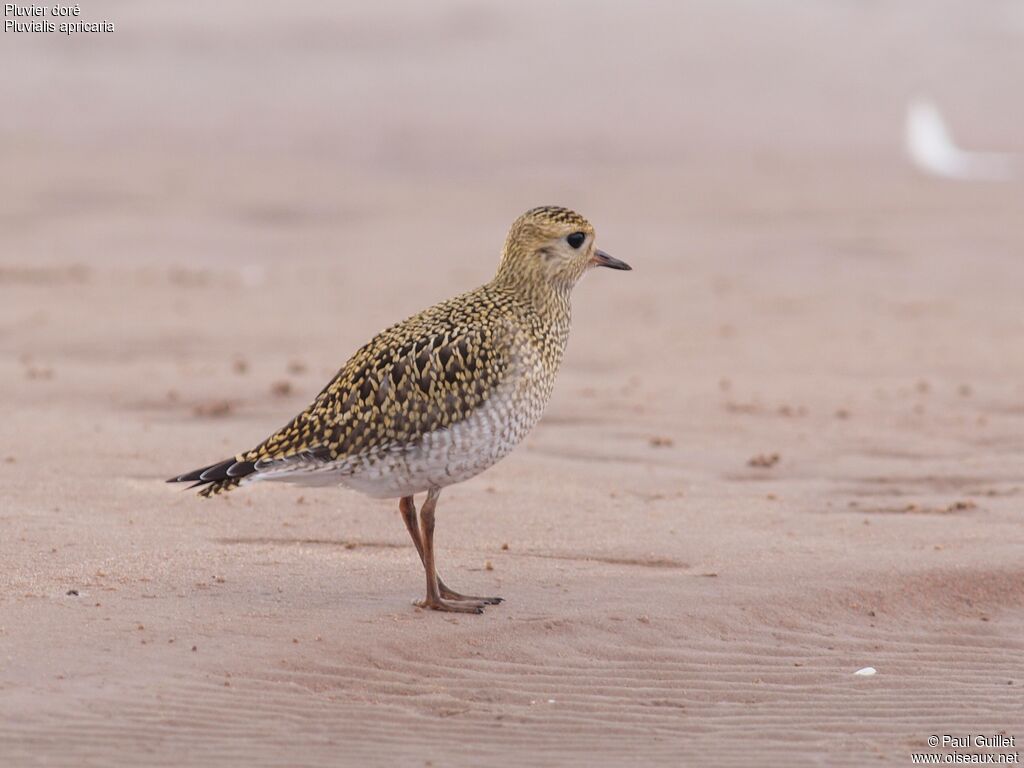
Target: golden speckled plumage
417 377
441 396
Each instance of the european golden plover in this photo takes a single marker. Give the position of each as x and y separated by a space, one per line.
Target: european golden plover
439 397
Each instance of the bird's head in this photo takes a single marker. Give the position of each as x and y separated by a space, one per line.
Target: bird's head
551 246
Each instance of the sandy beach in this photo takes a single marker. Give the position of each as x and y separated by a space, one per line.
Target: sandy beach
788 446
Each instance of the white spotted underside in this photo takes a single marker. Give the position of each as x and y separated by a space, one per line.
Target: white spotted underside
437 459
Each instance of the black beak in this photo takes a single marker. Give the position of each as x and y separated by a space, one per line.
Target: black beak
602 259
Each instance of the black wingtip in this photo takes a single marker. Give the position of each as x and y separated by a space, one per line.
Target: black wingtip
217 471
241 468
229 469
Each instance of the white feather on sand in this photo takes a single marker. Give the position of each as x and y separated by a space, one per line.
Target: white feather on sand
932 150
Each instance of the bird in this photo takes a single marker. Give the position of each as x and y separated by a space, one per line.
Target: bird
439 397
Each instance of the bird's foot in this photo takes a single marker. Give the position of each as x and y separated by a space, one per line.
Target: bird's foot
449 594
451 606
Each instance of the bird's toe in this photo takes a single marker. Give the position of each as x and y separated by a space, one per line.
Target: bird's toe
452 606
450 594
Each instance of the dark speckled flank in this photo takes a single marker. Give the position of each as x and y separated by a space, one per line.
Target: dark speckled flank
416 377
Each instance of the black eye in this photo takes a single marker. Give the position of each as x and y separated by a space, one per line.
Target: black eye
576 239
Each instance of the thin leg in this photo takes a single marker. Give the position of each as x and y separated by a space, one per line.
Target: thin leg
407 506
433 600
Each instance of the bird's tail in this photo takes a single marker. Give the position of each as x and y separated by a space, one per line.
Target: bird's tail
217 478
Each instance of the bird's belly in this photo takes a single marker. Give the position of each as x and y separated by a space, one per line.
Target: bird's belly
446 456
438 459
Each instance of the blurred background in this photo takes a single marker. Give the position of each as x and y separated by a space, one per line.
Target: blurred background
336 128
236 135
